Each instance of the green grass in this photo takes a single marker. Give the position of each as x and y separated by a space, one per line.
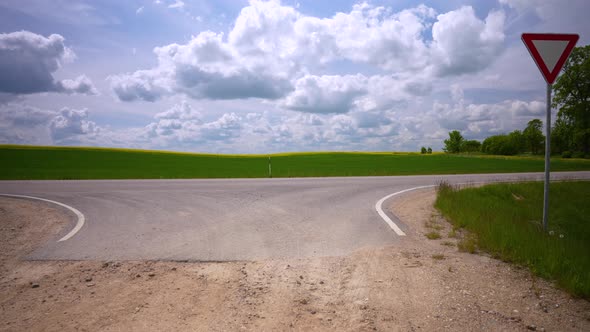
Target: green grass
29 162
433 235
505 220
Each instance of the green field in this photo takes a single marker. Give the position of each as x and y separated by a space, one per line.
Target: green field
506 222
27 162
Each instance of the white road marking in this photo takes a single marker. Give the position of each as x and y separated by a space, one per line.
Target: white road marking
79 223
390 222
396 228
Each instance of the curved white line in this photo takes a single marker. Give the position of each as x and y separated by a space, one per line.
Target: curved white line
79 223
396 228
390 222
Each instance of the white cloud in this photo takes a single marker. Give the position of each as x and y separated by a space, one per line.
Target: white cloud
178 122
462 43
181 124
326 94
22 123
139 10
28 61
70 122
206 67
554 16
148 85
272 50
482 120
80 85
367 34
177 4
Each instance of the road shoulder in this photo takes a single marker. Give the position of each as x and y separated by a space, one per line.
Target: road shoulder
401 287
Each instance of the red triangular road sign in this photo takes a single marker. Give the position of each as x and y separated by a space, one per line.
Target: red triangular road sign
550 50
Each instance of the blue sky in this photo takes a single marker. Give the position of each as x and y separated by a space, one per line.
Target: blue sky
268 76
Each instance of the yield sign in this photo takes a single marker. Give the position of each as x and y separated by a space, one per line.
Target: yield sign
550 50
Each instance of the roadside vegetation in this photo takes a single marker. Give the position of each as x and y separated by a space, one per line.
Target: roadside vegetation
26 162
505 221
570 134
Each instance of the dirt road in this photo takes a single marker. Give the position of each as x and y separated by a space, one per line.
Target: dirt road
418 284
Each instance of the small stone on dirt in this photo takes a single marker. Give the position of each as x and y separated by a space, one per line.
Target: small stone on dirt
34 285
152 274
88 279
532 327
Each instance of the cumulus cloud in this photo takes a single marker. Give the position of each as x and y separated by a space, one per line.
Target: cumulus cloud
28 61
482 120
179 121
226 127
22 123
462 43
272 50
70 122
206 67
80 85
22 115
182 124
147 85
326 94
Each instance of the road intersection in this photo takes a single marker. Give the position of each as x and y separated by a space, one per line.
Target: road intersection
231 219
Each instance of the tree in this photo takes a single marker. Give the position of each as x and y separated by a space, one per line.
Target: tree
455 142
507 145
562 137
517 142
471 146
423 150
572 96
534 136
429 151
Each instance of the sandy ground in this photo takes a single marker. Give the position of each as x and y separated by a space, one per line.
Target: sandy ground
419 284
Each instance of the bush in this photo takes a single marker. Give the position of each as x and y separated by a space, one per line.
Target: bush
471 146
500 145
566 154
423 150
429 151
578 154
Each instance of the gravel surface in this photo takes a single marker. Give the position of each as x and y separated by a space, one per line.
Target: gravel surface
416 284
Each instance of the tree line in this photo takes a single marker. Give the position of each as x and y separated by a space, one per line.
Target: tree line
531 140
570 134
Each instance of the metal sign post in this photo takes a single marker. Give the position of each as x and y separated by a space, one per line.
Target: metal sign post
550 51
547 156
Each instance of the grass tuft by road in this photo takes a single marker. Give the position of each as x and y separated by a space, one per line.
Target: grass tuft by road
36 162
505 220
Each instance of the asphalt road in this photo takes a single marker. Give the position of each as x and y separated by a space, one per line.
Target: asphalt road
229 219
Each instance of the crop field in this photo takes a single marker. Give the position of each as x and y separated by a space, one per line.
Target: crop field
31 162
506 222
